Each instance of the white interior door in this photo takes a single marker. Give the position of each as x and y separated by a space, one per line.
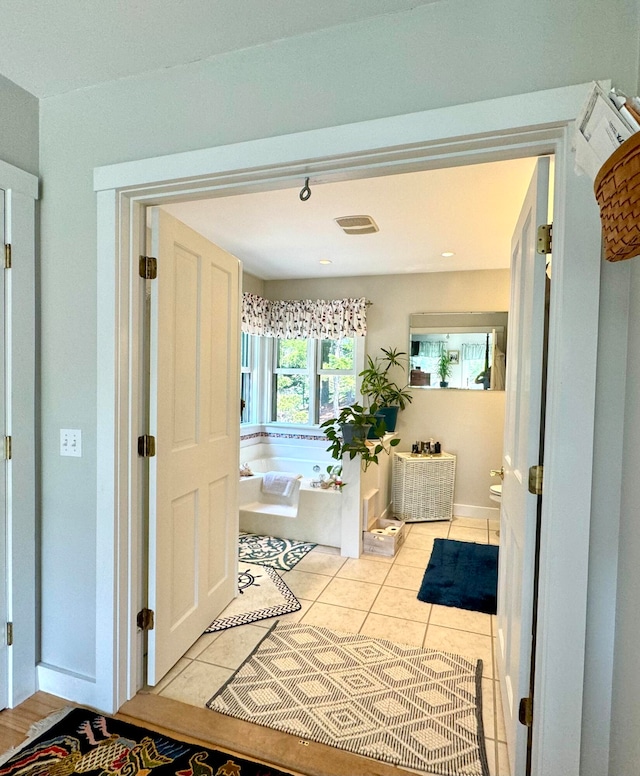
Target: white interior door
521 450
194 415
4 667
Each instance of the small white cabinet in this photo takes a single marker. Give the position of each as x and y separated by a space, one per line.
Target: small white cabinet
423 486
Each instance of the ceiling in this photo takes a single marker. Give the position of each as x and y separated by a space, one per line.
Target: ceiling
49 48
470 211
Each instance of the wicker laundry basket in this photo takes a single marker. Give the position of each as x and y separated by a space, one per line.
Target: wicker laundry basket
617 189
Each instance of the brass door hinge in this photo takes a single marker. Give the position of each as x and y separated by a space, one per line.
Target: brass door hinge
7 256
535 480
9 634
7 448
144 619
525 712
146 446
544 238
148 267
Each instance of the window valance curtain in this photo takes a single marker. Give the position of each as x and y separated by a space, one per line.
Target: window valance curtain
304 318
472 351
431 348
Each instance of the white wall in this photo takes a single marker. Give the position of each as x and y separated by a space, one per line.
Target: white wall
454 51
18 127
469 424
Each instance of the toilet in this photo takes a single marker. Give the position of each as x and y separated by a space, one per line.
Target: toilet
495 492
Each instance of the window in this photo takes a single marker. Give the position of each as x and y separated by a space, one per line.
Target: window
248 346
312 379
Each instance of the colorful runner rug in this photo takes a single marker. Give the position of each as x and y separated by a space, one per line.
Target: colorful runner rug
86 742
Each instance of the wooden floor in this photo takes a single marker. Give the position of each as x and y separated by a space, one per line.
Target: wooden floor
207 728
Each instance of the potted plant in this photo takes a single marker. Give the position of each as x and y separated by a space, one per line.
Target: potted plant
347 434
444 368
381 390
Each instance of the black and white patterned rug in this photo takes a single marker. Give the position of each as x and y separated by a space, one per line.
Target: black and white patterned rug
280 554
262 594
416 708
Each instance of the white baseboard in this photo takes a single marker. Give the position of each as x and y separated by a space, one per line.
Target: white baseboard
481 513
68 685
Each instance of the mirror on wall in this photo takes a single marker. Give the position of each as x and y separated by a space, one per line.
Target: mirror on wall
458 350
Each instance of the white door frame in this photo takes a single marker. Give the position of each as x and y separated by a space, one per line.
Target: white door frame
524 125
21 190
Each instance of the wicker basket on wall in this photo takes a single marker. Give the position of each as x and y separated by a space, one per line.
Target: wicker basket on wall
617 189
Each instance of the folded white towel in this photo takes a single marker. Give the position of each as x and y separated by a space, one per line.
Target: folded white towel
279 483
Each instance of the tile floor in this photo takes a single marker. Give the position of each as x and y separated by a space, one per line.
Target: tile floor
374 596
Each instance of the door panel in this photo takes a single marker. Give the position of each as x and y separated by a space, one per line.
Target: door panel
194 387
518 515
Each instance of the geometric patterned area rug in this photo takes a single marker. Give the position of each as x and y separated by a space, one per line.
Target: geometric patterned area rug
84 741
262 594
416 708
280 554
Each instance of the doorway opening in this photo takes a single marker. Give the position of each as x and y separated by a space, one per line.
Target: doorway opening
122 201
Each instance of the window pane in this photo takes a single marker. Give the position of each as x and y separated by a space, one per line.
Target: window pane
244 349
337 354
292 397
292 354
336 391
245 398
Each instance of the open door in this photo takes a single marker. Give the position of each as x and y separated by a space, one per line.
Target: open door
194 417
518 517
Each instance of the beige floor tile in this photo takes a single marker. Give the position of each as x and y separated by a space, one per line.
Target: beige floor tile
349 593
321 563
501 732
464 534
337 618
286 618
438 528
169 676
232 646
409 556
469 522
408 577
304 584
396 602
197 683
388 559
364 570
488 708
473 646
419 541
323 548
461 619
503 761
379 626
201 644
490 747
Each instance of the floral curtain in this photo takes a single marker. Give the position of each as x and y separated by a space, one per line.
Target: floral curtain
304 318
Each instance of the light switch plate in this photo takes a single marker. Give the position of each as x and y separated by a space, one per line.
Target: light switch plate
71 442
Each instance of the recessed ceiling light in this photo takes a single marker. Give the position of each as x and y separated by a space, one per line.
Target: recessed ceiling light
326 261
448 254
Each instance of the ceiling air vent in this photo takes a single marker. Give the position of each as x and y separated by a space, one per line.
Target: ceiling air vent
357 224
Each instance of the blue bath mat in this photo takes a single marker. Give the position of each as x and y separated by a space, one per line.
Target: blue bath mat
282 554
462 574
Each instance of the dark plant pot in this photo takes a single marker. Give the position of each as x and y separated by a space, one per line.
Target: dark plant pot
351 432
390 417
443 384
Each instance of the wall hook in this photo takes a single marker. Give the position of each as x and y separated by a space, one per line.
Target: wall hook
305 192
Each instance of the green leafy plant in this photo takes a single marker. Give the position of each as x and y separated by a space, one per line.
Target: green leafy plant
347 434
444 366
377 385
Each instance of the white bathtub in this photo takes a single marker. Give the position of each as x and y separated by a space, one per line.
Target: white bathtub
310 514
